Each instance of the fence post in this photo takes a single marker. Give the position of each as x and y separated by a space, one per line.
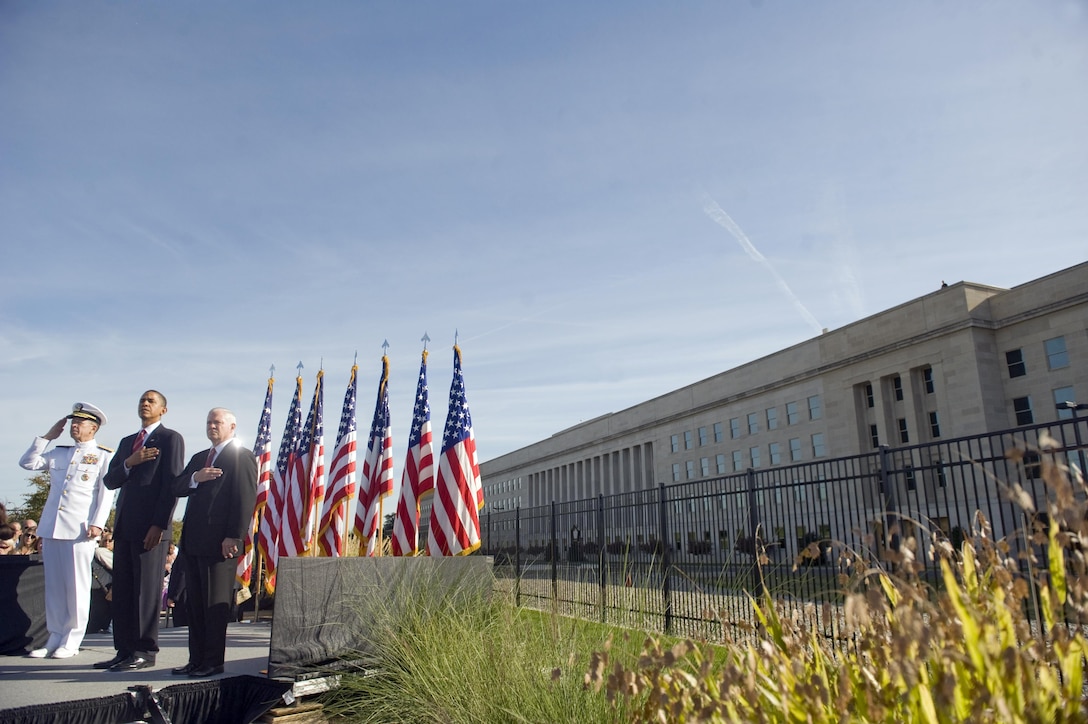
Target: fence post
666 556
517 556
600 557
554 552
759 584
889 501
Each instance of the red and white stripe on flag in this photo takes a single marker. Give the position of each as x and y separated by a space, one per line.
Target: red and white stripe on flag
306 469
262 450
341 488
272 521
458 492
418 478
377 479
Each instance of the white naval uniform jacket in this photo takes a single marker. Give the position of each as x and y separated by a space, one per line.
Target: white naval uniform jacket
78 498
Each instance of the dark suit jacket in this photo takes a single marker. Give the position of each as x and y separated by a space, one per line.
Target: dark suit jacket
221 508
147 493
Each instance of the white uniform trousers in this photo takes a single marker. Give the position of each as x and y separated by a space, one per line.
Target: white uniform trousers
67 590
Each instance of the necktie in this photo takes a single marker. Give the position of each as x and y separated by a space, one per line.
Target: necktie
211 458
139 441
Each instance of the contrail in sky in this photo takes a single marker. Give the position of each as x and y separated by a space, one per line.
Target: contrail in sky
717 213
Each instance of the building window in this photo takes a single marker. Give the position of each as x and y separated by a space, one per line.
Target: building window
674 443
1064 394
702 436
776 453
772 418
818 449
717 432
704 463
897 388
904 436
738 461
795 449
689 440
720 460
691 469
734 427
869 401
793 415
799 497
753 423
942 473
934 425
927 380
754 452
815 408
1014 358
908 474
675 472
874 436
1021 407
1056 355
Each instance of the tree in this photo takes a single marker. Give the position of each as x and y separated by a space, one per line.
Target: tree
34 501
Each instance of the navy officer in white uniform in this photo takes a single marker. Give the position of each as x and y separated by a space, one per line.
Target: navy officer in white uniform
74 514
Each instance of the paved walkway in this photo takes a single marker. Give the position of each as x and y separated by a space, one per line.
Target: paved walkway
29 682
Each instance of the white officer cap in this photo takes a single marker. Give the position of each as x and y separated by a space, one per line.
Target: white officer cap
87 411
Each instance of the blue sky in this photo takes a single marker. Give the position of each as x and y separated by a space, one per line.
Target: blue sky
606 201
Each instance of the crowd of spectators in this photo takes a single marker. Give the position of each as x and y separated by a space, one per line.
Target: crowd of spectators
18 537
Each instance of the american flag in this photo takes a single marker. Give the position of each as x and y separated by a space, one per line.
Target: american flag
330 530
306 481
271 523
377 479
418 478
458 493
262 450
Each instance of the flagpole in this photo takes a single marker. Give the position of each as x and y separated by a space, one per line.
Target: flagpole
257 595
381 527
315 505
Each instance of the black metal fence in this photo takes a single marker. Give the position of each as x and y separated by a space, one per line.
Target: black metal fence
681 558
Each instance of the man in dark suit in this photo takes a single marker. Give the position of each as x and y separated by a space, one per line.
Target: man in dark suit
221 484
144 467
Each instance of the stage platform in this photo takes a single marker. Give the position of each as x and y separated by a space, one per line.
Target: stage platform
30 682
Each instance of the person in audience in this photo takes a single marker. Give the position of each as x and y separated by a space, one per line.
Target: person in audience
176 602
7 533
101 618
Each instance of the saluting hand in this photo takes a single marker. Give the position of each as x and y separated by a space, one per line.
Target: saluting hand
56 430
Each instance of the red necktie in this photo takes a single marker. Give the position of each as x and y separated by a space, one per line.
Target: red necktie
211 458
139 441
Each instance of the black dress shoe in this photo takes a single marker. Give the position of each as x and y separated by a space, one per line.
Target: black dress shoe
182 670
133 663
206 671
112 662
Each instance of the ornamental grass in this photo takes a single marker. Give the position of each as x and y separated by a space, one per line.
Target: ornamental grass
999 637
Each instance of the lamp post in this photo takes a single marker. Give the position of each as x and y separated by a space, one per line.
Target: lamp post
575 544
1073 408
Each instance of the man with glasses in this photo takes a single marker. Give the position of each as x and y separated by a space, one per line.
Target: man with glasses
74 514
